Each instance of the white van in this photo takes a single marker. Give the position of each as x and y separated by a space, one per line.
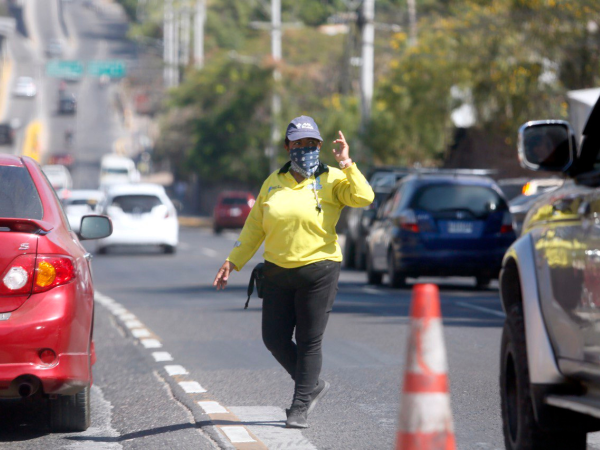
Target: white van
116 169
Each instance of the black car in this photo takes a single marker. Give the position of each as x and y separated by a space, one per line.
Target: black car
550 292
67 104
358 222
7 134
440 224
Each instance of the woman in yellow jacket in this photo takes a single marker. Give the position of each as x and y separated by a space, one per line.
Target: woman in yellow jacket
295 215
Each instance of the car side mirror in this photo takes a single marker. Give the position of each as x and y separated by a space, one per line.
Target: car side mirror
547 145
95 227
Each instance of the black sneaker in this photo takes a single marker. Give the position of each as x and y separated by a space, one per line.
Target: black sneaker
296 416
317 394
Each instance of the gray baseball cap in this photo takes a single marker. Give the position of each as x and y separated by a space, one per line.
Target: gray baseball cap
302 127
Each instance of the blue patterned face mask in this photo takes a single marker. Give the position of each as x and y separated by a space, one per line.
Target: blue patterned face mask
305 160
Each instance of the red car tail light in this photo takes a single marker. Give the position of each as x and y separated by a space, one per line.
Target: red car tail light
52 271
18 276
408 221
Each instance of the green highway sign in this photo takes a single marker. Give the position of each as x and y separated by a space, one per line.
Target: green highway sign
64 69
112 68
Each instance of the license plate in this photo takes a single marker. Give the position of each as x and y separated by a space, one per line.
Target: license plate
235 212
460 227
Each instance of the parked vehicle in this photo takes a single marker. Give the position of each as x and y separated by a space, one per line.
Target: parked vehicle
550 292
67 103
439 224
79 203
142 215
46 298
58 176
232 209
25 87
358 222
116 169
54 48
7 134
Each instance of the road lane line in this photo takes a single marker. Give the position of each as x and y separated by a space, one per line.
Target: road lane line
176 370
373 291
133 323
140 333
482 309
192 387
162 356
211 407
209 252
127 316
237 434
267 423
151 343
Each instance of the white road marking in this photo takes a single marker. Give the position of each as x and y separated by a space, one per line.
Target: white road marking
373 291
162 356
140 333
176 370
133 324
127 316
118 310
212 407
209 252
192 387
482 309
151 343
267 423
237 434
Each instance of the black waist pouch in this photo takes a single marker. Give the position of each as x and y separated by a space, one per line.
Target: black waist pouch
257 277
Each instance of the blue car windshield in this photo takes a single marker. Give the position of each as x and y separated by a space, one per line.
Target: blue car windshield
441 198
19 197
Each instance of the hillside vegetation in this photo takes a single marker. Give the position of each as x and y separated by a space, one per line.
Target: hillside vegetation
508 60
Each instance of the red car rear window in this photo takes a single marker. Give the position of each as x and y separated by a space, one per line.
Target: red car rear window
234 201
19 197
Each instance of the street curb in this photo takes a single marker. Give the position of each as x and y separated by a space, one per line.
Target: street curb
195 221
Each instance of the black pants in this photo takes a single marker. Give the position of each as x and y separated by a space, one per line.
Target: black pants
300 298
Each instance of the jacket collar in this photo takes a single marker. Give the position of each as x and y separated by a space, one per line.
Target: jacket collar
320 170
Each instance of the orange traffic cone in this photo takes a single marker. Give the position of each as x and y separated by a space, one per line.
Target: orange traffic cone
425 415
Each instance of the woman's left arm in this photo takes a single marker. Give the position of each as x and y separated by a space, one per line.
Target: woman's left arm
354 190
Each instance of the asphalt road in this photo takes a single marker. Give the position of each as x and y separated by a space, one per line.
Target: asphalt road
206 336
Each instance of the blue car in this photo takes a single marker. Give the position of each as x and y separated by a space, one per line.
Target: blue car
440 224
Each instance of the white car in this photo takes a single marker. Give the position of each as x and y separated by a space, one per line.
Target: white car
25 87
142 214
81 202
115 169
58 176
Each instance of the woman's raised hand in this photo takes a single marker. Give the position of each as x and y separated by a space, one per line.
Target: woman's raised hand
343 152
223 275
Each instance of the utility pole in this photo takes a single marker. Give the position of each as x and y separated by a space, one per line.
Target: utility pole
175 49
199 19
412 19
185 29
367 67
171 47
275 99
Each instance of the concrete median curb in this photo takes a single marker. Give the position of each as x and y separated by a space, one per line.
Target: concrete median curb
195 221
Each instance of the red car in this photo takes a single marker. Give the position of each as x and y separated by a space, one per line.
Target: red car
46 297
232 209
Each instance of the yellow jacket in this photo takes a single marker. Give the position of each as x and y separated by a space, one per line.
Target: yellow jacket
286 218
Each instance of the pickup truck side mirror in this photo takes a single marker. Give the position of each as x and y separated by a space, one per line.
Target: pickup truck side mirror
547 145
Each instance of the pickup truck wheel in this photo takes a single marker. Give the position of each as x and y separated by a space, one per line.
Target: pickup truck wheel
520 428
70 413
